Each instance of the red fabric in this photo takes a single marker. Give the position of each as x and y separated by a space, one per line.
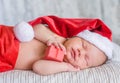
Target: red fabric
68 27
8 48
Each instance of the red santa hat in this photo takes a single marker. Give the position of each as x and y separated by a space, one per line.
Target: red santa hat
100 41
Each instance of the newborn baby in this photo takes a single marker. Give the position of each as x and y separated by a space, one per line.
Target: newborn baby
84 43
78 53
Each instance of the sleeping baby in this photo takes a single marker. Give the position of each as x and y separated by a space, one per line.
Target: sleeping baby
86 49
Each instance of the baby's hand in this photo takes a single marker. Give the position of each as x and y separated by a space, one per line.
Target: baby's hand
72 68
56 43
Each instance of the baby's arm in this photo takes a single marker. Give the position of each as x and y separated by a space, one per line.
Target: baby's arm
48 37
44 34
24 32
46 67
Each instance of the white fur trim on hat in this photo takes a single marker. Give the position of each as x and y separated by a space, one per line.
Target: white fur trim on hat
23 32
99 41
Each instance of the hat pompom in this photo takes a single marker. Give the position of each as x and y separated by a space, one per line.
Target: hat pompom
23 32
101 42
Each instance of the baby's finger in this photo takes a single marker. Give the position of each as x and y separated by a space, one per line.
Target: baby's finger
62 47
72 68
49 43
56 45
75 69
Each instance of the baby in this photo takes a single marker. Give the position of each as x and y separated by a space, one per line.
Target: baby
79 51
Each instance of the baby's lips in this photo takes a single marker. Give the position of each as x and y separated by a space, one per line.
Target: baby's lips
63 49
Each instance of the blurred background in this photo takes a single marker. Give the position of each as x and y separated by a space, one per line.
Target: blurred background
14 11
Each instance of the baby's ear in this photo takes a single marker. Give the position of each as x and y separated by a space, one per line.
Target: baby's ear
23 31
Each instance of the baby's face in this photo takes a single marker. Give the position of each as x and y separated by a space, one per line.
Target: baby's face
82 54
